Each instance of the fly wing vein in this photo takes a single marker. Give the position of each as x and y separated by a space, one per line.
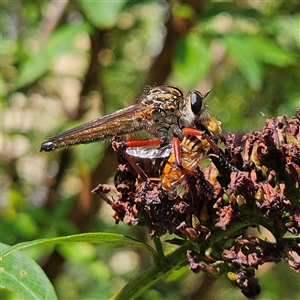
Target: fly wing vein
131 119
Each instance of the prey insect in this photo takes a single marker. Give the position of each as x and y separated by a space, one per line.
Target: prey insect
188 154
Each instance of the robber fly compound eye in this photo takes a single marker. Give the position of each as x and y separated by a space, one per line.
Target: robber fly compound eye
196 102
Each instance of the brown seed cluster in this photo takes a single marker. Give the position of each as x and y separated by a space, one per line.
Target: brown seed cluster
257 185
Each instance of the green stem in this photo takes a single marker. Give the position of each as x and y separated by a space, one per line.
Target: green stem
143 281
159 249
230 230
166 264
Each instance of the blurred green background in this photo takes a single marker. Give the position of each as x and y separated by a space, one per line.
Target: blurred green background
66 62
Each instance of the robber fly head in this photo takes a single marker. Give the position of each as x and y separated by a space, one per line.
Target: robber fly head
195 108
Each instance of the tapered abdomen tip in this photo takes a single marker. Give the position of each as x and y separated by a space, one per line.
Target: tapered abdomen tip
47 146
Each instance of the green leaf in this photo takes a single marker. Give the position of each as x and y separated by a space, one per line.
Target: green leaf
192 59
248 63
24 276
269 52
103 14
37 65
93 237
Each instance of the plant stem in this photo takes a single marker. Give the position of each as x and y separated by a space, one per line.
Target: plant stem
159 249
143 281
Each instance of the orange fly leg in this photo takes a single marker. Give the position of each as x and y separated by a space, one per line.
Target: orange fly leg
121 147
178 158
141 143
177 167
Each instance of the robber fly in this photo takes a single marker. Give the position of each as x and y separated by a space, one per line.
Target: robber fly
182 160
162 111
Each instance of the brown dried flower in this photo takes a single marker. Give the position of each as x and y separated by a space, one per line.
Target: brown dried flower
260 186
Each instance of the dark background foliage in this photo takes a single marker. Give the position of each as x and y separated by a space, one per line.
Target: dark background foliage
63 63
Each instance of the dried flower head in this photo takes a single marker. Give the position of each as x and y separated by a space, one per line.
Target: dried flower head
212 211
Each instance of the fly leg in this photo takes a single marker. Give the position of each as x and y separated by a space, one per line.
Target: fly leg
178 158
120 147
205 183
